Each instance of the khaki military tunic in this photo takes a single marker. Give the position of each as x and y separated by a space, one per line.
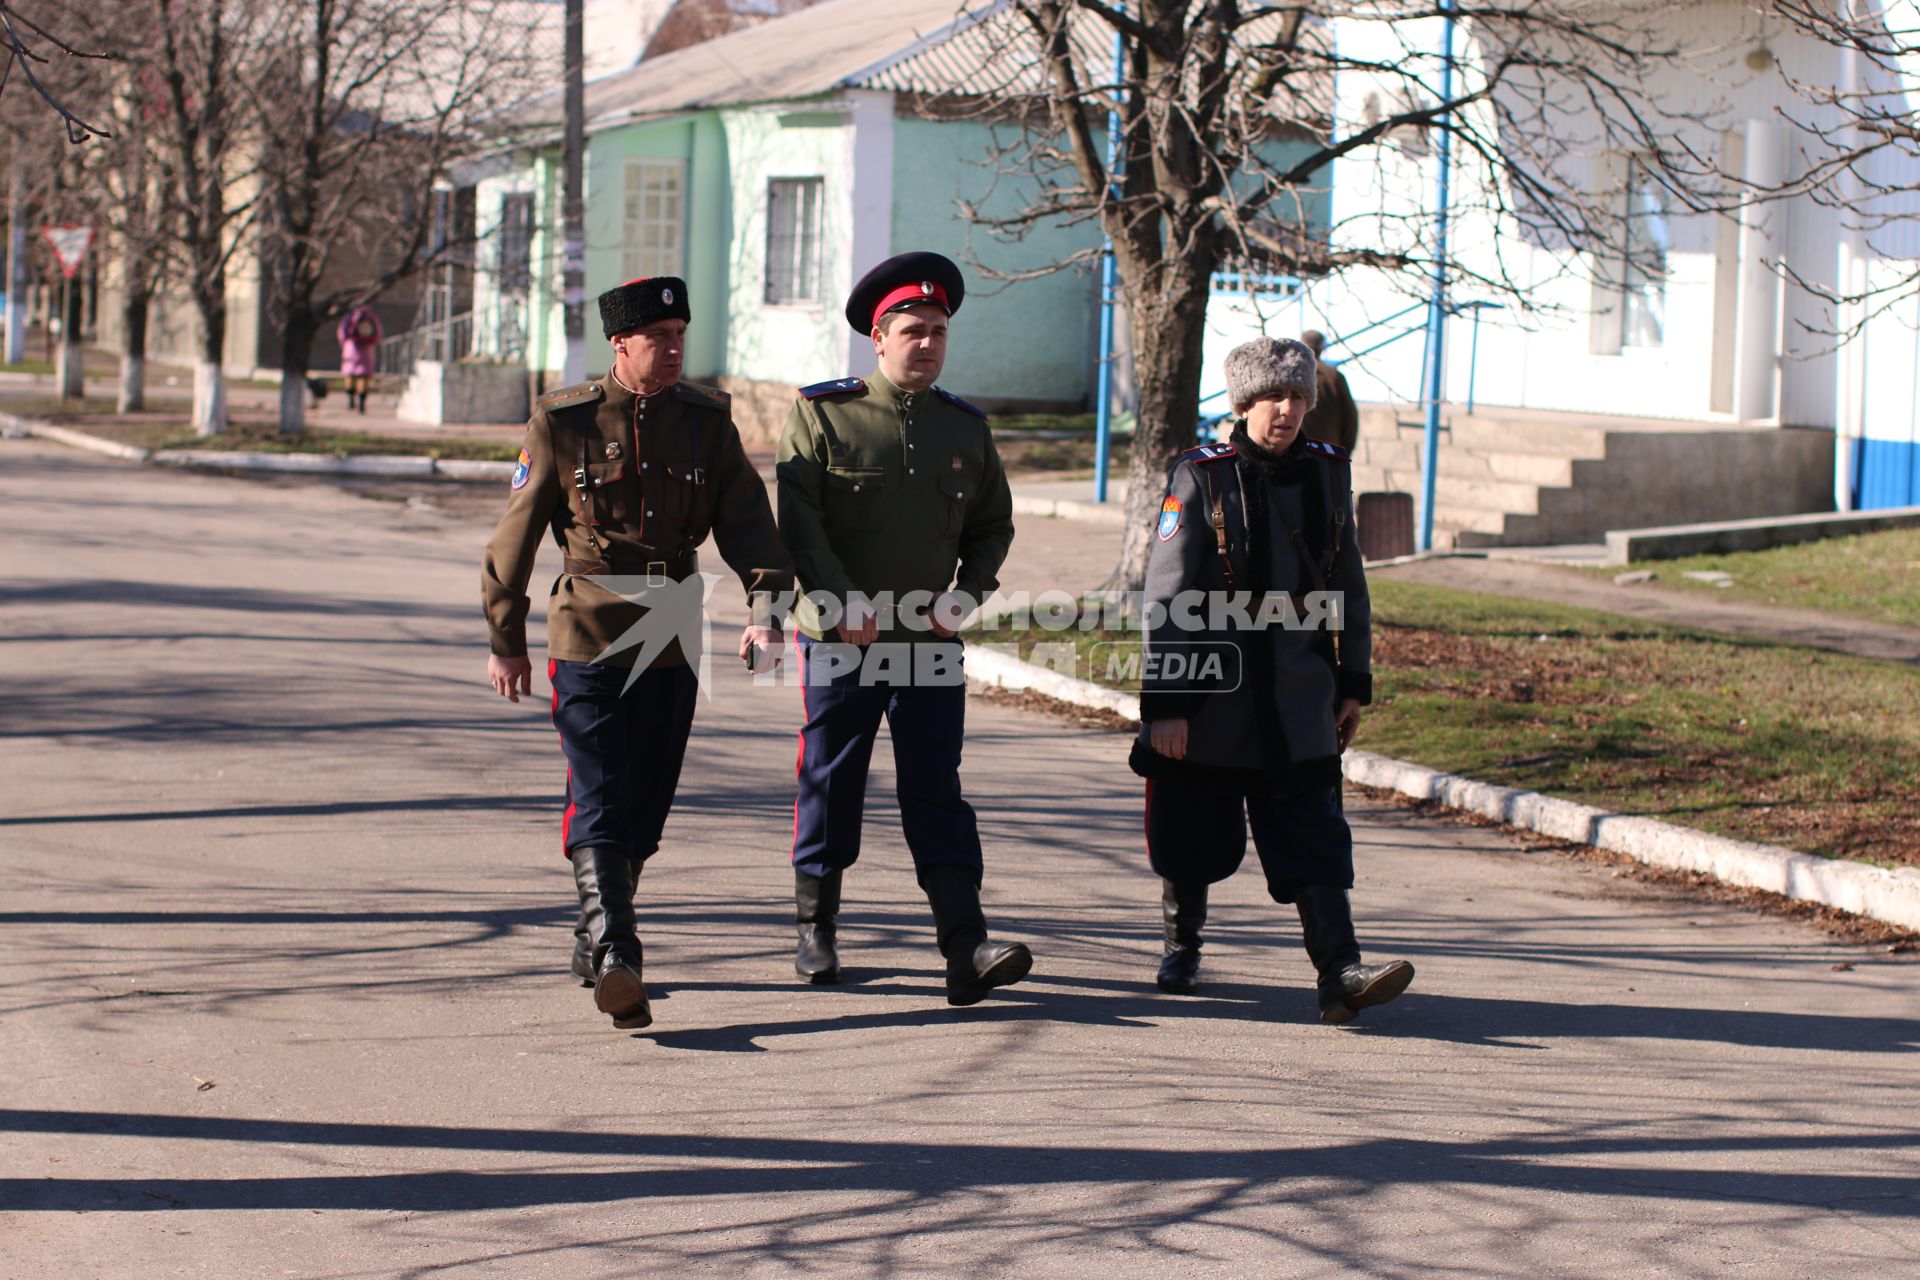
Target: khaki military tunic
889 491
626 486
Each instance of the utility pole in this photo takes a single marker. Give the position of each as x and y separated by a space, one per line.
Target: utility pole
17 264
573 232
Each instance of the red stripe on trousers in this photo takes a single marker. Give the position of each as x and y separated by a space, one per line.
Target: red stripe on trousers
566 819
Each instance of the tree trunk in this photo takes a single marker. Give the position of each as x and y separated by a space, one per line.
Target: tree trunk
209 380
1168 329
296 354
133 360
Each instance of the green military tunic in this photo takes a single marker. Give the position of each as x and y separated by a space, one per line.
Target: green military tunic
889 491
626 486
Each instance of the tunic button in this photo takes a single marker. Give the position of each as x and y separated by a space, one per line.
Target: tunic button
649 512
909 470
856 488
643 466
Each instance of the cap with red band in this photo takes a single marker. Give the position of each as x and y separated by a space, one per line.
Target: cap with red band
909 294
906 280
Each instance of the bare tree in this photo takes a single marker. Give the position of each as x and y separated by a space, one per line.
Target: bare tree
193 51
1228 122
362 110
23 33
124 180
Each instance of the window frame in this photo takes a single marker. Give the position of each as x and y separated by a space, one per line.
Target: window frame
640 260
1646 263
793 267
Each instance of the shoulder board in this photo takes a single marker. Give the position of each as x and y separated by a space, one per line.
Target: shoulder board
834 386
1326 450
707 397
1208 453
568 397
958 403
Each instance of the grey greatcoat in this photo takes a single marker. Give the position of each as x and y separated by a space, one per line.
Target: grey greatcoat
1266 704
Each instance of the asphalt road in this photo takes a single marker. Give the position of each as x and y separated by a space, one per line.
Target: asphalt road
283 989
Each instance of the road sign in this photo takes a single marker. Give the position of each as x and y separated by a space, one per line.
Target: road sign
70 244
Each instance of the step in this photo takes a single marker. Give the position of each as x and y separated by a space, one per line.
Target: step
1501 435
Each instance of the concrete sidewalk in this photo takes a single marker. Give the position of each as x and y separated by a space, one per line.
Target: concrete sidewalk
284 988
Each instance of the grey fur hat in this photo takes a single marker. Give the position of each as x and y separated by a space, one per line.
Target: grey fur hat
1266 365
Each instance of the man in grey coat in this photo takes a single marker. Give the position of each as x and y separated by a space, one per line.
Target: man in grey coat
1258 663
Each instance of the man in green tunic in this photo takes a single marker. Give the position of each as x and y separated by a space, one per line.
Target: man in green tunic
894 505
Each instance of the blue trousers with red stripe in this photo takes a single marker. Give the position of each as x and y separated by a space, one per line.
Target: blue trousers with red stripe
927 721
623 751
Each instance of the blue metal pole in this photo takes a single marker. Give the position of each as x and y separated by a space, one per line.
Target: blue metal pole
1473 360
1437 307
1103 371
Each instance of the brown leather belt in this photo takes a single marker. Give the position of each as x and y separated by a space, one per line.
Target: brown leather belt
667 567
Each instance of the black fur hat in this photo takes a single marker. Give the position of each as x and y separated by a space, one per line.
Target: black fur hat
641 302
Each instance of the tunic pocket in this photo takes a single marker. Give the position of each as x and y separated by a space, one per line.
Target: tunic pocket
606 492
676 488
953 504
853 498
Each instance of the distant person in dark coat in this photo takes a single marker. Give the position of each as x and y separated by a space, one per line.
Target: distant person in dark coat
1334 417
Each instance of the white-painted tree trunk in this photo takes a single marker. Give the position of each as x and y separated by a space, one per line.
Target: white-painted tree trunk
209 398
133 384
293 406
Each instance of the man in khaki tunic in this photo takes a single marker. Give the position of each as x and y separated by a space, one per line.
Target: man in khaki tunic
628 474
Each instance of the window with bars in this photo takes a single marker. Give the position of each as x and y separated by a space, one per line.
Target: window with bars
793 240
653 219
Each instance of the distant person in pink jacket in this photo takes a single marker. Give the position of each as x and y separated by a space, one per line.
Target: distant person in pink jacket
360 335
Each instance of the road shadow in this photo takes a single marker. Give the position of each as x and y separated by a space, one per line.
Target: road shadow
684 1166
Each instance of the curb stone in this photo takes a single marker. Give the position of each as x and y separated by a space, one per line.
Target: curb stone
1892 896
393 465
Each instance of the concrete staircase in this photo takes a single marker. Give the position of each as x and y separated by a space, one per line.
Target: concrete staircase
1510 477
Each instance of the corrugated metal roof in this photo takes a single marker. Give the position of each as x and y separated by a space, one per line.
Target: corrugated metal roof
974 48
988 52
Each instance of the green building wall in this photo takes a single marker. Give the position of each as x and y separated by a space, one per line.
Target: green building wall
1031 340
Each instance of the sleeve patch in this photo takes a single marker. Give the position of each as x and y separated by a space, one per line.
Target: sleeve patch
521 470
1169 517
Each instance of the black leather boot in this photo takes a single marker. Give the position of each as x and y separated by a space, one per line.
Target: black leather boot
1346 985
816 914
581 966
605 880
974 965
1185 912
